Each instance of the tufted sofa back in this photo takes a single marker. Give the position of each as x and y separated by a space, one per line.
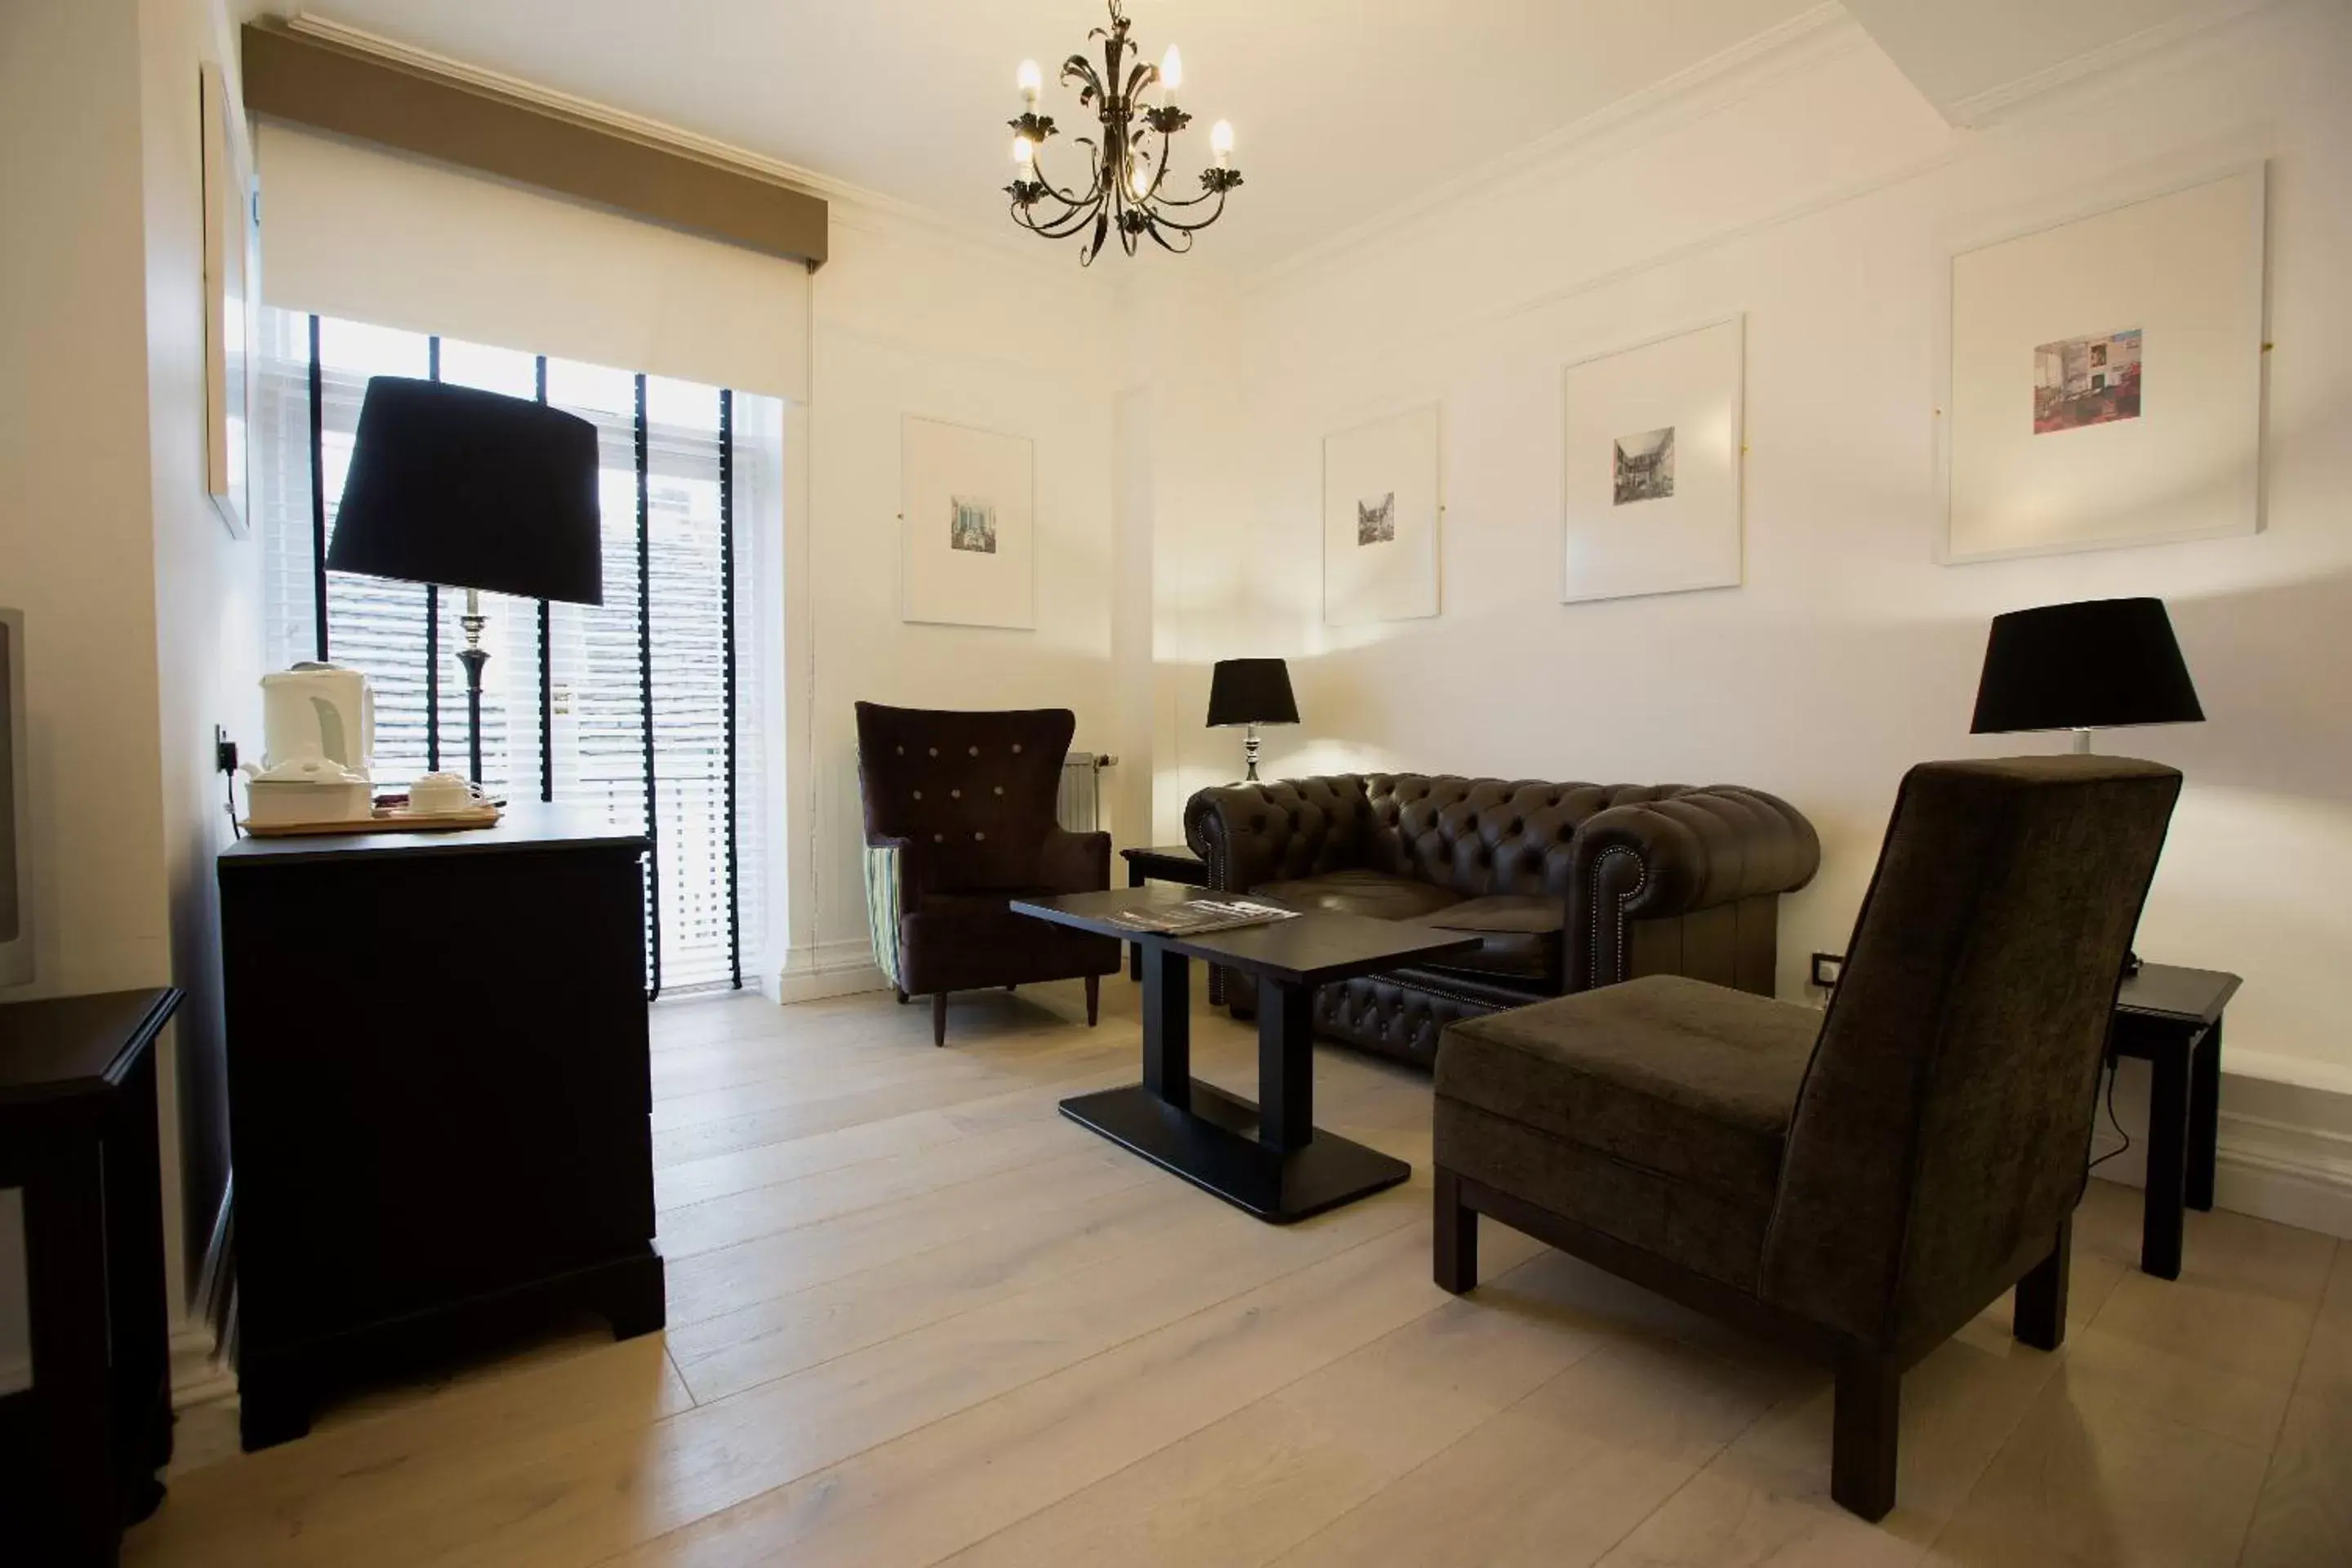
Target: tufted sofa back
1474 836
1483 836
972 794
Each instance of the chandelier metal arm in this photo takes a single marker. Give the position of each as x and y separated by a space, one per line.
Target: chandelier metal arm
1112 200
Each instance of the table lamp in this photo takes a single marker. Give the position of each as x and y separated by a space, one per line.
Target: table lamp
1250 692
465 489
2094 665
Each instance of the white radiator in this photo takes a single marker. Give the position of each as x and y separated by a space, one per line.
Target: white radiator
1080 807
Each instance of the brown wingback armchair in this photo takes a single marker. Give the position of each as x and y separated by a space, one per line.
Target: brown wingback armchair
1857 1186
958 821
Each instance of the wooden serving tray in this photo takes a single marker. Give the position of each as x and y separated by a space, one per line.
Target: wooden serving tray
389 819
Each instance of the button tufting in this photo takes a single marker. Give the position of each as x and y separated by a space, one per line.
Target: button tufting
974 751
1016 748
979 836
935 750
919 794
955 794
938 838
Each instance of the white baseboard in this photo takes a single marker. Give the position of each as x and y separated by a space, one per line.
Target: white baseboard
827 969
199 1374
2284 1148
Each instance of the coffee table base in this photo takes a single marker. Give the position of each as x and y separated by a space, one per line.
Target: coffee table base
1214 1146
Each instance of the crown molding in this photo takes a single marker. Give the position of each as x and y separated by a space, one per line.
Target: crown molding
1981 109
858 206
1823 32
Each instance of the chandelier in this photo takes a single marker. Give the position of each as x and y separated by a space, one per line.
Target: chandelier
1128 175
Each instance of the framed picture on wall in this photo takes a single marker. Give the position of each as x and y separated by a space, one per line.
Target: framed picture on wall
1381 515
1651 494
967 551
231 298
2102 378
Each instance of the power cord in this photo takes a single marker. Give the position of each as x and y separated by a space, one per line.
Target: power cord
2111 1122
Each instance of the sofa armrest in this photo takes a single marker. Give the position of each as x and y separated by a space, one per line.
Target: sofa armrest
1071 862
1251 833
1665 857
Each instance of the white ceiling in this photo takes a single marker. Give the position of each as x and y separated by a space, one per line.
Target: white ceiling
1343 109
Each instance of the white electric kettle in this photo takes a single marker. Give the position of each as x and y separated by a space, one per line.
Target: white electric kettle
318 711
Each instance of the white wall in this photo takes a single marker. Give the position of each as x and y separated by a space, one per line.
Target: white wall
76 535
1813 192
207 589
138 605
75 544
910 319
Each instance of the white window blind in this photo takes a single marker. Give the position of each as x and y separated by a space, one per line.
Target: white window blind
644 675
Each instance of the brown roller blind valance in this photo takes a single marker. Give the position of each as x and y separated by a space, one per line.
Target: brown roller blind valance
332 87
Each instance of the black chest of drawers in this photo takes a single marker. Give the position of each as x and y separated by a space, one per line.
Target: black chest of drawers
439 1097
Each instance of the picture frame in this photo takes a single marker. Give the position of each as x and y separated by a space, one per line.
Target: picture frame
2099 375
966 526
1651 490
1384 508
232 250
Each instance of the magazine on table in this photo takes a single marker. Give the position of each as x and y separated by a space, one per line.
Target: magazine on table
1194 916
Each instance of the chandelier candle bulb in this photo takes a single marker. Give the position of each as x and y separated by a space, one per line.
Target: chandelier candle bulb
1220 142
1031 81
1171 70
1021 152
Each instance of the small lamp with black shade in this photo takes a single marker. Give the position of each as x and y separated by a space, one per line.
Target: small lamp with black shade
1247 692
2095 664
455 487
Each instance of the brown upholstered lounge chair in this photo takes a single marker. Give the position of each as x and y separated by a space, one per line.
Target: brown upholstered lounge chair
960 821
1855 1186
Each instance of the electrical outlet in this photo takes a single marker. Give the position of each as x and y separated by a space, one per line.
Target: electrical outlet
224 751
1827 967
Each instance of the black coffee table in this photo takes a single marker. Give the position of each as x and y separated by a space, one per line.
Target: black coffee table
1268 1158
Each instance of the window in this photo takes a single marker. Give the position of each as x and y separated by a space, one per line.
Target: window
643 709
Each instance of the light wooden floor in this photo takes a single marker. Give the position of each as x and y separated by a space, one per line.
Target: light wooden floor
916 1317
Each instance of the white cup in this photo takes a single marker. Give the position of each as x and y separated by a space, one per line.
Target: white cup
435 794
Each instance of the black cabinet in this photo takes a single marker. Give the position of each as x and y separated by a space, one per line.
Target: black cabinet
79 1447
439 1097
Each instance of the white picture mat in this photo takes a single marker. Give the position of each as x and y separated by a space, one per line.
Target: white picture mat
2184 268
1692 380
232 298
1396 579
939 462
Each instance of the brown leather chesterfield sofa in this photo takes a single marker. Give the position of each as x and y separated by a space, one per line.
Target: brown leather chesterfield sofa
1571 886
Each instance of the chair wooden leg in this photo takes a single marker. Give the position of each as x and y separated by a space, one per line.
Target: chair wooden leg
2040 1319
1094 1000
1454 1255
940 1018
1862 1438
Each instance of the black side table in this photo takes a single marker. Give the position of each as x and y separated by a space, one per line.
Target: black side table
77 1136
2171 1019
1167 863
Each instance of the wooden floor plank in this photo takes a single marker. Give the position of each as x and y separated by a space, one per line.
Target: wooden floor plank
917 1316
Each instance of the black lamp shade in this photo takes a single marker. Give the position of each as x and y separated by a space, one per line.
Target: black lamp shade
2094 665
468 488
1250 692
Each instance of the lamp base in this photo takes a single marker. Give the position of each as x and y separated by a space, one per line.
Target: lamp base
1249 753
473 656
